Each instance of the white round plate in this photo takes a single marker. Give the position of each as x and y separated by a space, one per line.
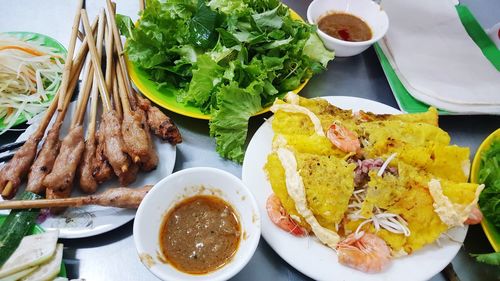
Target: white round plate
88 221
311 257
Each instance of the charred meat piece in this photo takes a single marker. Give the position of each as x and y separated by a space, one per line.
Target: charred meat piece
60 179
55 194
101 169
114 146
150 160
45 160
121 197
18 167
135 137
130 176
159 123
85 176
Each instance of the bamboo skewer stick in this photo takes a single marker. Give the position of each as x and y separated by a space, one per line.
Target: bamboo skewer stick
109 56
67 98
119 47
141 5
84 94
80 35
77 64
69 58
121 91
121 197
93 112
80 57
116 98
95 61
84 91
82 105
76 68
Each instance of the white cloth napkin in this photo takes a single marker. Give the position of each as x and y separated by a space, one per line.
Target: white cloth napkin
436 60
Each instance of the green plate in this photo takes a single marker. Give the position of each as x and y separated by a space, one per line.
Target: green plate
37 230
490 230
411 105
150 89
45 41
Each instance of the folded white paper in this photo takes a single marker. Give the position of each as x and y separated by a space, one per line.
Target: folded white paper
435 58
423 97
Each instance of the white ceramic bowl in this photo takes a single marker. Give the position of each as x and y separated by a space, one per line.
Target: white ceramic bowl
369 11
183 184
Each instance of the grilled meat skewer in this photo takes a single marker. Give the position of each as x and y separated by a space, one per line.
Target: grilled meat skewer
13 172
160 124
86 180
120 197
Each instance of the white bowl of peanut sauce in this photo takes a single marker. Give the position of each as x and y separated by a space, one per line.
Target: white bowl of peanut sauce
348 27
197 224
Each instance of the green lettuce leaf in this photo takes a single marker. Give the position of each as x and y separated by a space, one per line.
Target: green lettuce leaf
269 19
489 174
202 26
229 58
491 258
206 76
229 123
125 25
228 6
315 50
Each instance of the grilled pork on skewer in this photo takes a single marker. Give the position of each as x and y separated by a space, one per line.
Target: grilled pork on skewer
101 169
17 168
160 124
13 172
59 182
110 126
60 179
44 160
114 147
135 130
84 173
120 197
47 155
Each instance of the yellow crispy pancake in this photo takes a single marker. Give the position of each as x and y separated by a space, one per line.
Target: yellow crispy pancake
393 135
423 152
408 195
328 182
430 117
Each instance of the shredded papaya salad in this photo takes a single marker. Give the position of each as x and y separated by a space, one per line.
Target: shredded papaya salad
29 76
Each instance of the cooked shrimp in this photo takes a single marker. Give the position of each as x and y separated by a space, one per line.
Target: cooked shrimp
343 138
281 218
368 253
475 216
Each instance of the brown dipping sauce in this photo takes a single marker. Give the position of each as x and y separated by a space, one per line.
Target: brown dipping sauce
200 234
345 27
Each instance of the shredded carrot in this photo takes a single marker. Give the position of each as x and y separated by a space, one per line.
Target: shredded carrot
21 48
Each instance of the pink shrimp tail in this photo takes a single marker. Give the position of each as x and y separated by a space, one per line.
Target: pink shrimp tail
343 138
281 218
368 253
475 216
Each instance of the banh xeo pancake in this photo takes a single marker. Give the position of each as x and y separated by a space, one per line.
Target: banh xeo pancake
406 184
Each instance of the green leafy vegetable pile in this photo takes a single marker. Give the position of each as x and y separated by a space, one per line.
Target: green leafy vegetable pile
489 200
489 174
230 58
